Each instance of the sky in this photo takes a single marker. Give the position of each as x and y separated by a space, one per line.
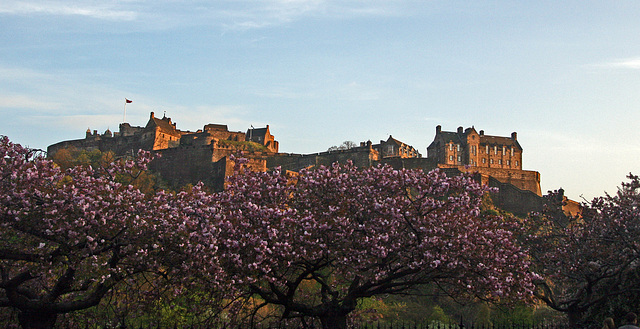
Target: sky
564 75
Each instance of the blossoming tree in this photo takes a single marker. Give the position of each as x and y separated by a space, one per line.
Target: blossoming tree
316 243
590 261
67 238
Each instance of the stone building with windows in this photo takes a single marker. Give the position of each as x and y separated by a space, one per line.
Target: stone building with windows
471 148
494 157
393 148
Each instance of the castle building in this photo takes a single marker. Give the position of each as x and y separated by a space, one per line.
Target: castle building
393 148
186 157
470 148
161 134
493 157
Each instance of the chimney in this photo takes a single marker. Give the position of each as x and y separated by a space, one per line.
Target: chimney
438 129
481 132
514 135
152 116
460 130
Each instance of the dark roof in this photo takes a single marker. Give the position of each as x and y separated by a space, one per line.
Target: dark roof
498 140
452 136
217 127
257 132
458 138
164 124
391 139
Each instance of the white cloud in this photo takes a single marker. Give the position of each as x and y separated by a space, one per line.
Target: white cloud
99 10
629 63
26 102
230 15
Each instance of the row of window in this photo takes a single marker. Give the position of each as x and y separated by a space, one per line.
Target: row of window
484 161
486 149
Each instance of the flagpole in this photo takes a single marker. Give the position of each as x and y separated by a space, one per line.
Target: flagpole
124 116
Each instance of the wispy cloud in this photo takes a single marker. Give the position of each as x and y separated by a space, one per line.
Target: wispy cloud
629 63
26 102
236 15
277 12
99 10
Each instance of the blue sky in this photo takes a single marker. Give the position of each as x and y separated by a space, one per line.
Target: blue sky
565 75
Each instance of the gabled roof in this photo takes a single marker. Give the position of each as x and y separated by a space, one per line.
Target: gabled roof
447 136
164 124
393 140
259 131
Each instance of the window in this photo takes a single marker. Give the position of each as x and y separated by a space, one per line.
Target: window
473 149
491 161
459 158
458 147
508 162
484 160
500 162
504 150
495 149
511 150
516 163
451 147
451 158
486 149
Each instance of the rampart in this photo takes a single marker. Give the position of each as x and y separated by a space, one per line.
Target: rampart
363 156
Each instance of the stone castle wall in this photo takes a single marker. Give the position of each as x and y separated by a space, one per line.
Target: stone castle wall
515 200
522 179
200 163
360 156
123 145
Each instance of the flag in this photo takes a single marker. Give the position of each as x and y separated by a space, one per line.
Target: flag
128 101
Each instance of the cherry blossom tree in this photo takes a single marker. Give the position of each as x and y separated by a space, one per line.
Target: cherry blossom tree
316 243
67 238
592 260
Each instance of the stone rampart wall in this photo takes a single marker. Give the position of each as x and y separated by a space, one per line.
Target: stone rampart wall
121 145
517 201
360 156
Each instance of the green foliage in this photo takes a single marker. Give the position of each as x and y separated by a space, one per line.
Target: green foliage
145 181
71 157
243 146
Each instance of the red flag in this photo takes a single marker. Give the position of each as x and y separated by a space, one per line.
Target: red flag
128 101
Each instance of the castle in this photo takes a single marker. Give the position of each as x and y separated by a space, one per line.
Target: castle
491 156
186 157
189 157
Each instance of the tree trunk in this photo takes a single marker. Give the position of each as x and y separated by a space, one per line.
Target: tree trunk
334 320
575 318
37 319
